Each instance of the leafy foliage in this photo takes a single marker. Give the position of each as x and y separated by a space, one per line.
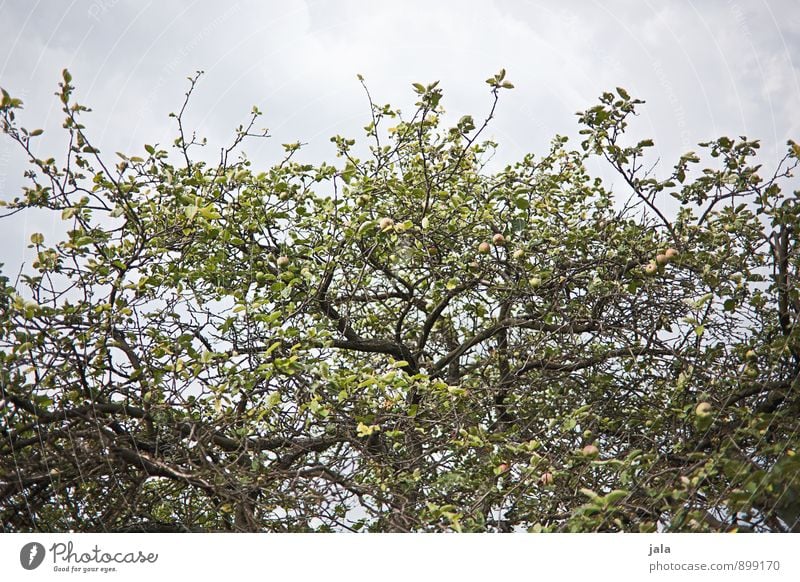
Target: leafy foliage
403 340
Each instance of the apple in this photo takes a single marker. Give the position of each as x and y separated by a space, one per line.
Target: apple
662 259
750 355
750 371
671 254
518 254
502 468
386 223
651 269
703 409
474 266
590 451
283 261
546 478
484 248
499 239
535 282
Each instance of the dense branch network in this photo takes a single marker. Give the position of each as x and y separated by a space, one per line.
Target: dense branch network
404 340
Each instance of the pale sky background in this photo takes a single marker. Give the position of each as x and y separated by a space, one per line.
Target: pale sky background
705 68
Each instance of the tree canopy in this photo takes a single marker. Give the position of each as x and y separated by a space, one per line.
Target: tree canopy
403 339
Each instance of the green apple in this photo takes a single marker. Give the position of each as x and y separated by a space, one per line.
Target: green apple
703 409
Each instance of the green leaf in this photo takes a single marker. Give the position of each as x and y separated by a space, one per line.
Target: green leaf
589 493
364 430
209 212
614 496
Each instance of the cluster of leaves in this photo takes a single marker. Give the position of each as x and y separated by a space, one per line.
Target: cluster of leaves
402 340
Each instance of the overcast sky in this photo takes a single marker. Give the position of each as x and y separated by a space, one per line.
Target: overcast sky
705 68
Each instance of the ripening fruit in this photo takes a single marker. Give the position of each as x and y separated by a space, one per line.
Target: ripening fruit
750 355
518 254
283 261
651 269
499 239
703 409
535 282
590 451
750 371
484 248
474 266
671 254
546 478
502 468
662 259
386 223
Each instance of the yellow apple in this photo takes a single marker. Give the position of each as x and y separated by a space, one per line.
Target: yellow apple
590 451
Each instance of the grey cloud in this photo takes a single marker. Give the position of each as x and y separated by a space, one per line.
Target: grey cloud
705 69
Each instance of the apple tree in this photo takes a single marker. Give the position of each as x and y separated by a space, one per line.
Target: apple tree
405 338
